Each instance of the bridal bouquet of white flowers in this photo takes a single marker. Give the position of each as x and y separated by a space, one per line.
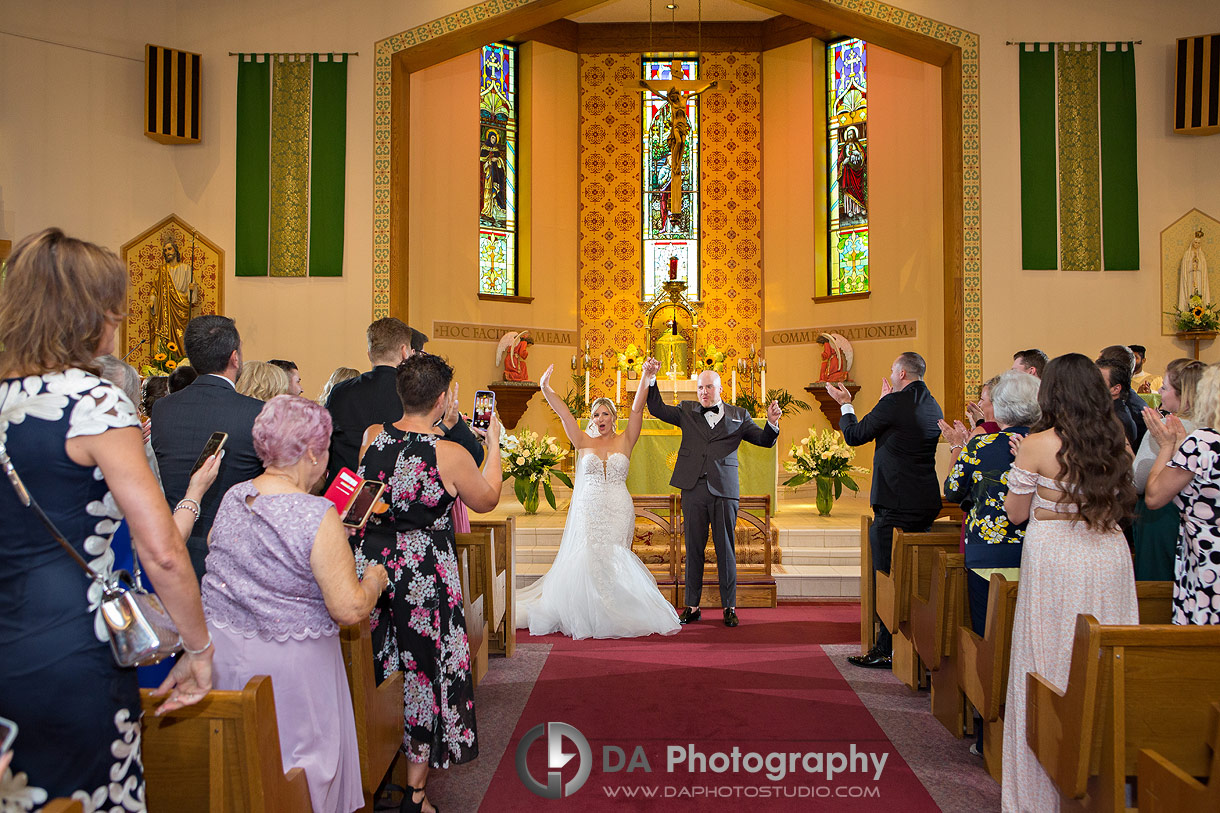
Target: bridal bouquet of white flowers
530 459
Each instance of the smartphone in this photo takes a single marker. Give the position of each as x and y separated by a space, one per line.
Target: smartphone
8 733
215 443
484 406
363 503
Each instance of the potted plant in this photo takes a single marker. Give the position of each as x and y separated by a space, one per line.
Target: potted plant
530 459
826 458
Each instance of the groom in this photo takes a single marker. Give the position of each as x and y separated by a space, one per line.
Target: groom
706 471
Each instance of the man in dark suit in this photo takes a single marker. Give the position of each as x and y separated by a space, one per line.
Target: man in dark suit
706 471
1117 363
906 491
372 398
183 421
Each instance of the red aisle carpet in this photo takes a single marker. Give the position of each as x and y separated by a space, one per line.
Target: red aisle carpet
763 687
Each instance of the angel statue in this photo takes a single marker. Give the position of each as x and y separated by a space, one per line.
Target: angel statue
512 352
837 357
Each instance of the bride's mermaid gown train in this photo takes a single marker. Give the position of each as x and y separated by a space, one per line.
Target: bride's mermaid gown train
597 588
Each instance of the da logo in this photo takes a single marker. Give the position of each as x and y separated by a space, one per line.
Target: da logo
555 760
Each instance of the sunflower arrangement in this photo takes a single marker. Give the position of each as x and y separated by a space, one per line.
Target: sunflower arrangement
531 459
631 360
712 359
164 361
1199 315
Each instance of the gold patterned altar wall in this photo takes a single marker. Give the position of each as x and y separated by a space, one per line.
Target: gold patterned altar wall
730 143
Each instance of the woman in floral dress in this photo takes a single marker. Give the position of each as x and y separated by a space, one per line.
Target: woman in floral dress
419 626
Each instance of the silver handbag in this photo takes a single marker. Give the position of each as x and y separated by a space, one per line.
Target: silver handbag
141 631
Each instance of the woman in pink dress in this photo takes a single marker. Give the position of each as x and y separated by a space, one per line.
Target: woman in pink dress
1072 481
281 578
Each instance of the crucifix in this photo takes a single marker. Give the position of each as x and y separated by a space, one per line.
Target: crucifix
676 91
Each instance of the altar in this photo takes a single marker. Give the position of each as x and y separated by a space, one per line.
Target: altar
652 462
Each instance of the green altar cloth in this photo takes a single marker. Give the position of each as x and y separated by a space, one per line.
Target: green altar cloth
652 462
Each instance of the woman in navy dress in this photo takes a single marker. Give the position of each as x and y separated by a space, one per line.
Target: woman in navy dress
75 440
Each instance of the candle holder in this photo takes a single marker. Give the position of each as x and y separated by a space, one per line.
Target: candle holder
584 364
752 376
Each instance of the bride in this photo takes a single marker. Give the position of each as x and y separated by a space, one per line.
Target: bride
597 588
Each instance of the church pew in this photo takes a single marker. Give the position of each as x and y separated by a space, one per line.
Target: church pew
1166 788
755 580
221 755
63 806
1128 688
983 667
661 510
504 634
909 572
868 583
935 618
378 709
472 606
868 590
983 661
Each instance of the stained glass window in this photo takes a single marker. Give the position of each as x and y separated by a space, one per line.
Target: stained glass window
847 112
498 171
669 234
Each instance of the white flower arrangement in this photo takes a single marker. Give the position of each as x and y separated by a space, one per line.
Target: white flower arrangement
530 459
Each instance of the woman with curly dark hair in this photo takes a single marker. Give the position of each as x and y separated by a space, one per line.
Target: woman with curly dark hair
1072 481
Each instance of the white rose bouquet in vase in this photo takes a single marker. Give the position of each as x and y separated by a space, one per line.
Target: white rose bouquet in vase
826 458
531 459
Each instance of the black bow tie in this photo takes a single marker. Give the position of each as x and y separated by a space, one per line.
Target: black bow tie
704 410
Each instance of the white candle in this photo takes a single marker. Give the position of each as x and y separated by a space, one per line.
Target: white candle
618 386
763 386
734 386
586 387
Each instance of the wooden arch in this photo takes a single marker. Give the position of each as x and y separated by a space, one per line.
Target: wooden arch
953 50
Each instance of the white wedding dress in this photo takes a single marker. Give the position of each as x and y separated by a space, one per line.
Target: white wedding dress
597 588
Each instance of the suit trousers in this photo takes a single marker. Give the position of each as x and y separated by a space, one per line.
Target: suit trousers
881 541
701 509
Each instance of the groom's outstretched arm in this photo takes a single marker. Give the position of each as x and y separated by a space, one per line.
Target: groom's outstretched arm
656 404
765 437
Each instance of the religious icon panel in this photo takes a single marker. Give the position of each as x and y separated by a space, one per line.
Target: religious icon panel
670 151
498 170
847 115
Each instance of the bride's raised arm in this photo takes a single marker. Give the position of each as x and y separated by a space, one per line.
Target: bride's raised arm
635 421
570 427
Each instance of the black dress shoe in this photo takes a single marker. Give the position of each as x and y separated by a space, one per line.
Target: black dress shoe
730 617
873 660
690 616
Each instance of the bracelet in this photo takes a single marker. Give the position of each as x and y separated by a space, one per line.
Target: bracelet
190 505
200 651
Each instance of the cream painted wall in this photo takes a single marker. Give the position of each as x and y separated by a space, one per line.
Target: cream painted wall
904 221
444 202
1078 311
73 155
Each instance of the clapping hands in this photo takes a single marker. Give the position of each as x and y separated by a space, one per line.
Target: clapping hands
957 434
840 393
1169 432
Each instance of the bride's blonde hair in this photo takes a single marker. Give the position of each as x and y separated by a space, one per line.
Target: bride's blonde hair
603 401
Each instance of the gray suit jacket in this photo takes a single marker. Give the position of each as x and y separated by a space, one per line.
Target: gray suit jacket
710 450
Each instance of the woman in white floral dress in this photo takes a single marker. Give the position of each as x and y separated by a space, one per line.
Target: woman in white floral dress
76 442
